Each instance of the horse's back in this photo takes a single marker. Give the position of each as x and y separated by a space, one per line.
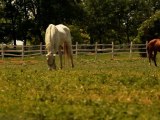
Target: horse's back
51 31
154 44
64 33
62 28
157 44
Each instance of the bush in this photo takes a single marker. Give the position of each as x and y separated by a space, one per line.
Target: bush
78 35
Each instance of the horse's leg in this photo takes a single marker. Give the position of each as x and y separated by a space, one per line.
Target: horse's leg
60 56
71 55
54 63
154 57
150 57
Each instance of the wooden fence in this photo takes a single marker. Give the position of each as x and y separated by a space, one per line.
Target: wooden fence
112 49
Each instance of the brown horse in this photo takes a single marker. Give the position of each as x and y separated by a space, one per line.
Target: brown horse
153 47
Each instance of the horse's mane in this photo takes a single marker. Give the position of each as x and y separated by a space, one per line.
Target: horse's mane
50 37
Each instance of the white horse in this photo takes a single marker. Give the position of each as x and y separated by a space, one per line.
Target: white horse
56 38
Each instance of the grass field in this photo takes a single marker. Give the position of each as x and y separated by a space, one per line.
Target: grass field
101 89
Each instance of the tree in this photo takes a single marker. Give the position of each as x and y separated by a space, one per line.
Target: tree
117 20
16 19
149 29
8 20
103 21
29 18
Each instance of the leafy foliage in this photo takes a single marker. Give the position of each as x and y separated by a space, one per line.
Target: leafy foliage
149 29
102 21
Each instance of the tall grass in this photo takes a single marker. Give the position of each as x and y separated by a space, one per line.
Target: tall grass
100 89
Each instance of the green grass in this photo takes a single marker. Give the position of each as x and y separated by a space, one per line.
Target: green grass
101 89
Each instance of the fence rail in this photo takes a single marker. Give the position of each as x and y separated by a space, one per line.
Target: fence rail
34 50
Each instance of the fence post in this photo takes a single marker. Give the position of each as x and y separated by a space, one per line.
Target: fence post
131 44
41 48
2 52
95 50
146 48
23 51
76 49
112 49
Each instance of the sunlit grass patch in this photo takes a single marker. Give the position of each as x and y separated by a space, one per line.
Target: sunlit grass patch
95 89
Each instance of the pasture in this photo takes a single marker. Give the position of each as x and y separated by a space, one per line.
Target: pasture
101 89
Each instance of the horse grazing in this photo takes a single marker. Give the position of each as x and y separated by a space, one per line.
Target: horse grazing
56 38
152 47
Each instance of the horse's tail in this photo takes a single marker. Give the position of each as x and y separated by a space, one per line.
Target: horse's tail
68 51
149 51
68 43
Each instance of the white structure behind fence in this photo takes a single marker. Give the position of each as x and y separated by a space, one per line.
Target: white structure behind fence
34 50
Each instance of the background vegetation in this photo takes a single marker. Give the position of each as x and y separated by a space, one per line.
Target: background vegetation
90 20
93 90
102 89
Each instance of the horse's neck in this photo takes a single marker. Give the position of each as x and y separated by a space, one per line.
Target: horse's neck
54 48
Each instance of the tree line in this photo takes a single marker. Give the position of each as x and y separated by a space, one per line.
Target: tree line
90 21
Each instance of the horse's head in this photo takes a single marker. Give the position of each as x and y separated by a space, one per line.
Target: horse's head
51 61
